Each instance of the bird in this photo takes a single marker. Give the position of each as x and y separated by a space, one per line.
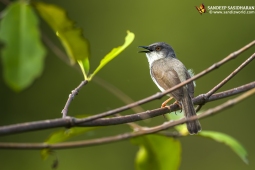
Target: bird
166 72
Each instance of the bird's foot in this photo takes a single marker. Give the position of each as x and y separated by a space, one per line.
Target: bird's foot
179 104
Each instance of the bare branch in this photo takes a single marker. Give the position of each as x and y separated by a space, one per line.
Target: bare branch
124 136
226 93
63 57
218 86
69 122
160 111
114 90
71 97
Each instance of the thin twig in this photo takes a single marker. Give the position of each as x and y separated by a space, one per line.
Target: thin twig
71 97
124 136
159 95
63 57
218 86
53 123
114 90
228 93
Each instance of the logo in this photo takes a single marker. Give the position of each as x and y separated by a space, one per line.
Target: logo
201 9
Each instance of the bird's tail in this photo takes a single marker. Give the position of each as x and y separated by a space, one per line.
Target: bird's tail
193 126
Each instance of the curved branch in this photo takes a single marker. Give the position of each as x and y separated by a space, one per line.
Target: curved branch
157 112
159 95
218 86
140 132
69 122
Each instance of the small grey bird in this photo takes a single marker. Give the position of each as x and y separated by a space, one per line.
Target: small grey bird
167 71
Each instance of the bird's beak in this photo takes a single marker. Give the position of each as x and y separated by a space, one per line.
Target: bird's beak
145 47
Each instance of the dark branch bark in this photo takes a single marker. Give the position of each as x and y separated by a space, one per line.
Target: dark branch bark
218 86
124 136
229 77
71 97
69 122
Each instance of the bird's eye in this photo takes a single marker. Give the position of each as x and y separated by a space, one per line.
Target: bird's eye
158 48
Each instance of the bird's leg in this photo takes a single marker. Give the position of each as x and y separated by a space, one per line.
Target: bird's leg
165 102
168 100
164 105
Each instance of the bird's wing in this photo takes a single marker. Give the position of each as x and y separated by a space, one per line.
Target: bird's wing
166 77
191 87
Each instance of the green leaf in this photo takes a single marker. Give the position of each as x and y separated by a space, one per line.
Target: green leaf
64 135
157 153
229 141
23 53
116 51
76 46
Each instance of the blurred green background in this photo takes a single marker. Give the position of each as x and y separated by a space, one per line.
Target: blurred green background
199 41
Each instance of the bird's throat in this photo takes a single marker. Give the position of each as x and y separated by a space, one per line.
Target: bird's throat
152 56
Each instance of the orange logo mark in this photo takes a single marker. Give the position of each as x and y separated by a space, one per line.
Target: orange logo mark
201 9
